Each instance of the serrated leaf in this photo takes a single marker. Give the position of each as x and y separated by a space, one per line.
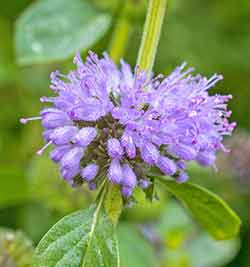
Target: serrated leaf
55 29
207 208
15 249
82 239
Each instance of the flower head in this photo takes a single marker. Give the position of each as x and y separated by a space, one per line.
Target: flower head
109 122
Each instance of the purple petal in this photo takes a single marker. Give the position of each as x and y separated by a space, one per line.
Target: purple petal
183 177
51 120
129 178
92 186
115 172
63 135
70 173
72 158
128 144
58 152
206 158
166 165
143 183
89 172
127 191
149 153
182 151
85 136
88 111
114 148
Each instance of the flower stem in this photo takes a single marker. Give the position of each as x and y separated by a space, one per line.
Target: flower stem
151 34
120 36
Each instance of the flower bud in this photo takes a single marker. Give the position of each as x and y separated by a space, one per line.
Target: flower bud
72 158
85 136
143 183
92 185
63 135
128 144
115 172
183 177
182 151
166 165
70 173
89 172
52 118
90 110
129 178
58 152
127 191
149 153
206 159
115 150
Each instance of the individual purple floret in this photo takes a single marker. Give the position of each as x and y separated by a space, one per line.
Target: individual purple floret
107 122
89 172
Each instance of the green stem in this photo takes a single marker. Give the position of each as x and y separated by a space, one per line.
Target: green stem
120 36
151 34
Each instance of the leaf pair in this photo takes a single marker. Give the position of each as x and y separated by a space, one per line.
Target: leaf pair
88 238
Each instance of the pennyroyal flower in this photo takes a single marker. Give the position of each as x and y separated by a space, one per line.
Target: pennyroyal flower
110 123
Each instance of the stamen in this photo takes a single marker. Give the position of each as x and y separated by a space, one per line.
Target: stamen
212 81
185 73
158 77
182 66
45 99
40 151
26 120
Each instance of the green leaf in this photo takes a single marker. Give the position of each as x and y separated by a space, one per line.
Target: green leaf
204 251
15 249
113 203
184 242
82 239
55 29
207 208
175 226
134 249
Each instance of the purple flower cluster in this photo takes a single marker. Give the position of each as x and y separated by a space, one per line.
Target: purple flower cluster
112 122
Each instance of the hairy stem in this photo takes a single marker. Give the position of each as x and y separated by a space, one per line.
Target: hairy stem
151 34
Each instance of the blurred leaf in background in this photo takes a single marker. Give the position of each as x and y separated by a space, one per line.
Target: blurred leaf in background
186 246
11 181
55 29
135 250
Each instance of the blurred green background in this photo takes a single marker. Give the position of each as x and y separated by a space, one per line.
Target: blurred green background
38 37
